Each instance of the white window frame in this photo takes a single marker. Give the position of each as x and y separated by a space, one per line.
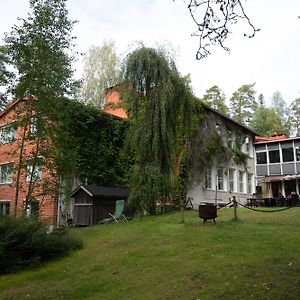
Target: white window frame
9 177
208 179
33 125
249 183
241 181
3 209
221 179
231 181
37 175
7 133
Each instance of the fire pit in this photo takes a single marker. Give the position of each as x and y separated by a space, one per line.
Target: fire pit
207 211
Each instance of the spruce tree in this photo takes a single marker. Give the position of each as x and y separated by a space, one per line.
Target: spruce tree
243 104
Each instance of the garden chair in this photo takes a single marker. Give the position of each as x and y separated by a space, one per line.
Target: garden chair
118 214
119 209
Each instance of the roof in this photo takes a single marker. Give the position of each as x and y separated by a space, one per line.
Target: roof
273 178
103 191
275 137
274 140
9 106
223 116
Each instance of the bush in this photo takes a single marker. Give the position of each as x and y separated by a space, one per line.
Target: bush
27 242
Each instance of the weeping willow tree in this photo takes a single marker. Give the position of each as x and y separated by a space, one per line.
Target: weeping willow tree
158 104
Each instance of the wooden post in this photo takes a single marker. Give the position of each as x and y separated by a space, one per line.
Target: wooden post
234 208
182 209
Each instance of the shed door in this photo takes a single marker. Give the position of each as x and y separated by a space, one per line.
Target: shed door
83 214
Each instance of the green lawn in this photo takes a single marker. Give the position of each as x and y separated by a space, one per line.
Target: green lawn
159 258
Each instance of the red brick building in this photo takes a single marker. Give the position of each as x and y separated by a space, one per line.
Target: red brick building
46 205
11 202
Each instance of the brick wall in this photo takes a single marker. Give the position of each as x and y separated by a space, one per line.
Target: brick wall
9 153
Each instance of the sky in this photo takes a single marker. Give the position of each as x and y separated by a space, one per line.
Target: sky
270 59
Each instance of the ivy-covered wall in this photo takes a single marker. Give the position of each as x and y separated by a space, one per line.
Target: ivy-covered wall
88 144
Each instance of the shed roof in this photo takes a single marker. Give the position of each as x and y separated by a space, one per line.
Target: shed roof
103 191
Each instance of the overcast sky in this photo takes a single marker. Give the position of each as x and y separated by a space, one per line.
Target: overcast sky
271 58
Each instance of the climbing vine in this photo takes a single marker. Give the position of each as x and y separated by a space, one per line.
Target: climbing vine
213 143
88 144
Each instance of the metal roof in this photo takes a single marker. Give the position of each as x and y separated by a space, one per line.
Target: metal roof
103 191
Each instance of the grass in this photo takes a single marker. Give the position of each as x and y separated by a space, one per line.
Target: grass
158 258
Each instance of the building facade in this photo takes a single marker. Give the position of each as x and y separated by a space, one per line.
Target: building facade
12 152
229 177
278 166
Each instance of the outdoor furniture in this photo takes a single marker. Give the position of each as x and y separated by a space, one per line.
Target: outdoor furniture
208 211
119 209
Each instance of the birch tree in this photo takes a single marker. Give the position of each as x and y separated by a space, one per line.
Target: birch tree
41 50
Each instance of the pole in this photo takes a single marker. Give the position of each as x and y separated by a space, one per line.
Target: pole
234 208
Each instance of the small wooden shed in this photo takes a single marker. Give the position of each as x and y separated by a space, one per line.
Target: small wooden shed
93 203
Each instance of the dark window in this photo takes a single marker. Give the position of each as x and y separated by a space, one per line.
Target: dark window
274 156
261 157
4 208
298 154
287 154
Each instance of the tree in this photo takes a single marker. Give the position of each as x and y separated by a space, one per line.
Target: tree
282 110
101 71
266 122
214 20
215 98
261 100
5 75
158 103
242 104
41 50
294 118
279 105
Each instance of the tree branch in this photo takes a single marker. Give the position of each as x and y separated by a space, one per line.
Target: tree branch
213 19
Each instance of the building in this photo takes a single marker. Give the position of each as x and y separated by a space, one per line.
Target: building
49 200
230 176
12 200
221 180
277 162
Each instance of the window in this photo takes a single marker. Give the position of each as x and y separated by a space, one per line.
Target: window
32 209
298 153
33 125
287 154
261 158
207 179
241 181
229 137
231 180
6 171
220 179
4 208
249 183
274 156
247 145
7 134
37 174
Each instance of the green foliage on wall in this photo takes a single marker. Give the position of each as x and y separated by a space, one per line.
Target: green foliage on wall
89 143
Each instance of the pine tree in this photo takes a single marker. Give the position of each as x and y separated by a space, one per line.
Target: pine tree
242 104
294 118
215 98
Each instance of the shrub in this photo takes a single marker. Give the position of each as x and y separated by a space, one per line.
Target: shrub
27 242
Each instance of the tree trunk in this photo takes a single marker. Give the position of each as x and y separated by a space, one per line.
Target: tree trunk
30 186
20 165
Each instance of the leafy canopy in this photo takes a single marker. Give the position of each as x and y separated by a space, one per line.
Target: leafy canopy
158 103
